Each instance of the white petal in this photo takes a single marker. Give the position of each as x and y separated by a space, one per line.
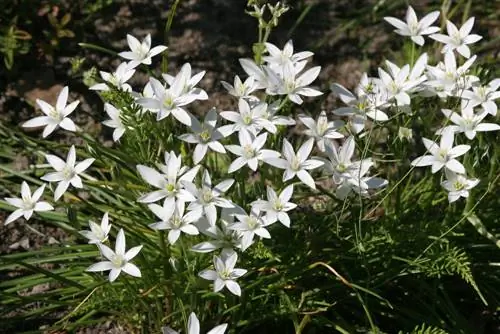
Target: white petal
233 287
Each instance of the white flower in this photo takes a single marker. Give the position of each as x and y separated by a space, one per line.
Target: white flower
27 204
413 27
291 84
170 183
297 164
194 327
364 105
468 122
117 260
321 129
98 233
168 101
241 89
175 220
225 274
457 39
207 198
442 155
222 237
54 117
249 119
66 171
276 207
117 79
484 96
401 81
141 52
349 175
446 79
278 58
249 226
457 185
206 136
250 151
114 121
187 82
271 115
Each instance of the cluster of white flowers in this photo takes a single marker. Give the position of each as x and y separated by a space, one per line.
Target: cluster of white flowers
393 90
203 207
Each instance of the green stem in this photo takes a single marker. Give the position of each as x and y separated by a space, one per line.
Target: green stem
166 33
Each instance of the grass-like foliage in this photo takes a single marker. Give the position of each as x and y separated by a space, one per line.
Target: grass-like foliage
276 217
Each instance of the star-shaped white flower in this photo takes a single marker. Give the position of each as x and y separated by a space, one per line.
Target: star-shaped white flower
174 220
276 207
457 185
414 28
297 164
66 171
194 327
188 82
349 175
442 155
249 225
446 79
170 182
221 237
399 82
292 83
118 260
54 117
114 121
225 274
250 151
117 79
168 101
27 204
98 234
249 118
367 104
208 198
141 52
468 122
278 58
241 89
321 129
484 96
458 39
206 136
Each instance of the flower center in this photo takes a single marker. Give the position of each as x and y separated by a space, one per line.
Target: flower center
170 187
225 274
443 154
168 102
205 135
28 205
341 168
53 113
143 51
278 206
118 261
176 221
252 223
295 164
247 119
206 195
68 173
458 185
248 152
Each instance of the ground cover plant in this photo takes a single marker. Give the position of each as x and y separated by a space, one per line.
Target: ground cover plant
377 214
